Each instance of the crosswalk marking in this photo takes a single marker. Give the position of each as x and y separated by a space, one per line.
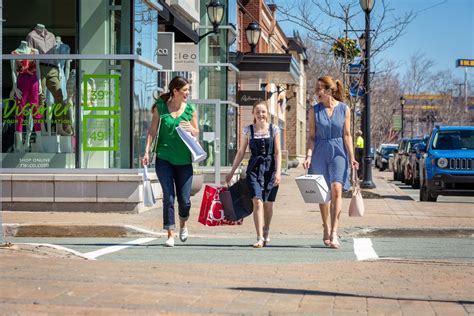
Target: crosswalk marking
77 253
104 251
363 249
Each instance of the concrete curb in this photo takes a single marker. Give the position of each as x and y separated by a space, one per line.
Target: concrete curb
390 232
117 231
70 230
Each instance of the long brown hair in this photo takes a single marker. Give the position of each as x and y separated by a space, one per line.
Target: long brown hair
335 86
176 83
258 103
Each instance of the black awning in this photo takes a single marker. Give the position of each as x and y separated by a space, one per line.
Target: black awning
265 62
173 22
268 67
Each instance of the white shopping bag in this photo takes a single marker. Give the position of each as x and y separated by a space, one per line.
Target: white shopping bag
148 196
314 188
198 154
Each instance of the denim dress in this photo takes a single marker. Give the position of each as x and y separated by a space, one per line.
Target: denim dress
329 154
261 168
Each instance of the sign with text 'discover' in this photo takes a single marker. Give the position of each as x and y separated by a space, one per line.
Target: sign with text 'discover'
186 57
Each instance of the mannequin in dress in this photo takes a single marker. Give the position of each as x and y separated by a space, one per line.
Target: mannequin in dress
26 89
45 43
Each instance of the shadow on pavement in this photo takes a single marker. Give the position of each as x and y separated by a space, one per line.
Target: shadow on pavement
328 293
398 197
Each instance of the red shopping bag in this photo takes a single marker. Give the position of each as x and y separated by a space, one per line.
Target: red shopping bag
212 213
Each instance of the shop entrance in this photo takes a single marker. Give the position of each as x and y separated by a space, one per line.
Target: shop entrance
213 115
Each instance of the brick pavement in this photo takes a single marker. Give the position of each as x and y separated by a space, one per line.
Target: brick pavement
49 283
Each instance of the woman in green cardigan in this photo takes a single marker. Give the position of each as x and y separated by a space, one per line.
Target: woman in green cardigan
173 159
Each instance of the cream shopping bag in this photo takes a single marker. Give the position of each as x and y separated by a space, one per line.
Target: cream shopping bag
313 188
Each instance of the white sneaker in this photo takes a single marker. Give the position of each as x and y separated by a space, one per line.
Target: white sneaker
183 234
169 242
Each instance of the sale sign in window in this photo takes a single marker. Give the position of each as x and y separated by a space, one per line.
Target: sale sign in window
101 108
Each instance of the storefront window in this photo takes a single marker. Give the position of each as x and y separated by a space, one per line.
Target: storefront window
66 113
146 80
38 117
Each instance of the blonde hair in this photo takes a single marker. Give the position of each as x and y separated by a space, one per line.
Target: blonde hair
335 86
255 105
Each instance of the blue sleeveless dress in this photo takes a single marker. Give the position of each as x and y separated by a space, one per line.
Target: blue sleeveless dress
261 168
329 154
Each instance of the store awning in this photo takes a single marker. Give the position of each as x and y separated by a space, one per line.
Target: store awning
275 68
173 22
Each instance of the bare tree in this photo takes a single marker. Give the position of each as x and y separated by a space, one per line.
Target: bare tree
326 21
443 108
386 103
320 63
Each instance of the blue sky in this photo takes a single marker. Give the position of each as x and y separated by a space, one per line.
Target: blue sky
443 31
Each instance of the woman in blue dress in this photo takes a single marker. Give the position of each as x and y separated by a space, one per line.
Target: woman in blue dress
263 170
330 151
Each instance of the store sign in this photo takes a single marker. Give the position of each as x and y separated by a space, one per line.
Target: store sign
165 51
186 57
465 63
249 97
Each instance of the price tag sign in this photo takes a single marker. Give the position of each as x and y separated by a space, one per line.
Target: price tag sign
101 92
100 132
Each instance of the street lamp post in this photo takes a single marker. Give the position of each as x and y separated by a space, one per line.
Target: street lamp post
252 33
215 13
367 182
402 104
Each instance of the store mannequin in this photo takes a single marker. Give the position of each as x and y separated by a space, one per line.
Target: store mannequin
64 66
26 89
45 43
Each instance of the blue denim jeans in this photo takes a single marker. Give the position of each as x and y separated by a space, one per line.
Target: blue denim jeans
171 177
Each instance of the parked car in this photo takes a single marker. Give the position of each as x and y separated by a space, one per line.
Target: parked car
412 167
447 165
401 156
382 155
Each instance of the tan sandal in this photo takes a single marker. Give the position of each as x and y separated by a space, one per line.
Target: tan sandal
326 237
334 241
260 243
266 239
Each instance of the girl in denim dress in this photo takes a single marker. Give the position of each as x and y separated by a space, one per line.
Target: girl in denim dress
263 171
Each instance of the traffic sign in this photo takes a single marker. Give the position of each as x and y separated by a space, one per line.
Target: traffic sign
354 69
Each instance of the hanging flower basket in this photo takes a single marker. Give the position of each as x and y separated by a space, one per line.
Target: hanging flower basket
345 47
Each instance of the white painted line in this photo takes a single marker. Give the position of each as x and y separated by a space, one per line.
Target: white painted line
104 251
77 253
363 249
146 231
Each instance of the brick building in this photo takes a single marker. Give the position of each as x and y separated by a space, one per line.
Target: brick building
275 69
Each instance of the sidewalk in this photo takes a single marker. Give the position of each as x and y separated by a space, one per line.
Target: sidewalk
49 283
291 215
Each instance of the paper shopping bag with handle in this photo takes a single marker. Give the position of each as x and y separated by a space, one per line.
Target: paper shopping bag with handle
313 188
148 196
211 212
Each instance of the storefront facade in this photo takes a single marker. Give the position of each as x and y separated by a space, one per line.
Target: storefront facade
88 109
75 117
